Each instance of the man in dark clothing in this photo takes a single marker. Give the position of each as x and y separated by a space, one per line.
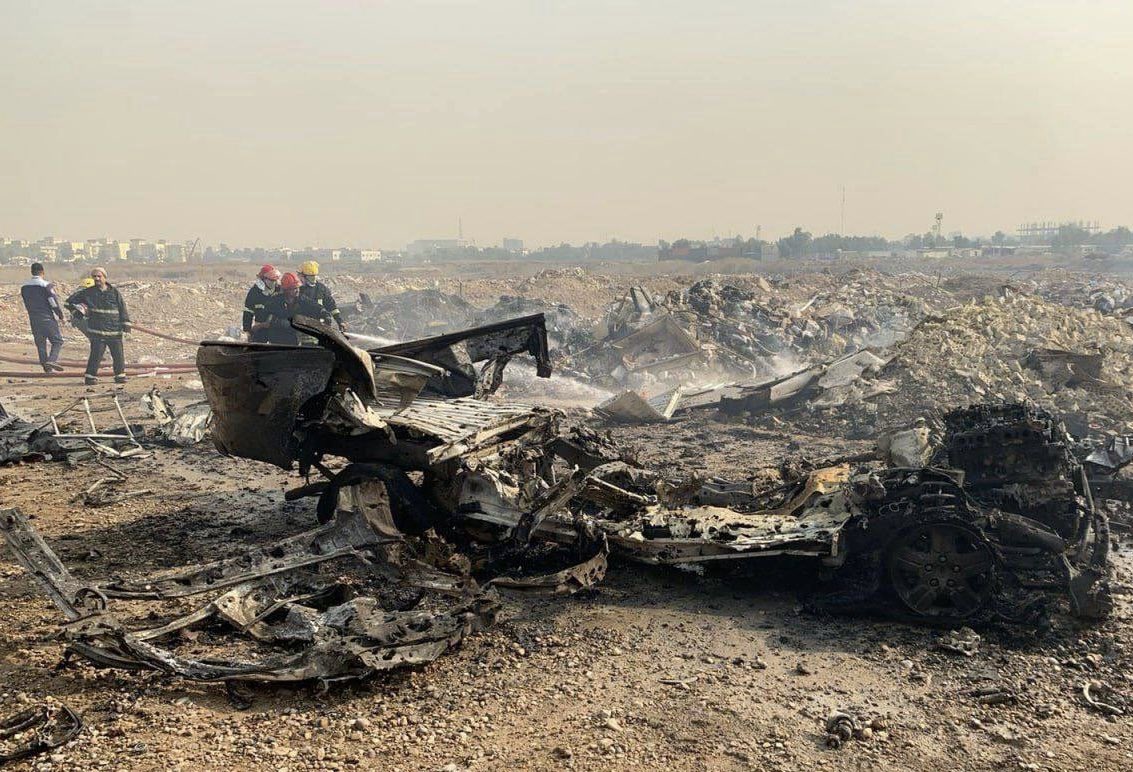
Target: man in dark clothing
255 304
107 322
44 315
318 292
282 308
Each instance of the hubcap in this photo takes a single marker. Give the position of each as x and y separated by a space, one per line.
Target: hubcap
942 570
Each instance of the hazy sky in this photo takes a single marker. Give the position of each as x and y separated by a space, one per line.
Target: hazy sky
373 123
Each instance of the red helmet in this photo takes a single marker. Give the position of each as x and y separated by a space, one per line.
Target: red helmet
289 281
268 272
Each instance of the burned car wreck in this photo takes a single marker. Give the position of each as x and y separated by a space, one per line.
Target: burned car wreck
434 499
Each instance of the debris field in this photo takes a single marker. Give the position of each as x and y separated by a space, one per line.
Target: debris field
777 521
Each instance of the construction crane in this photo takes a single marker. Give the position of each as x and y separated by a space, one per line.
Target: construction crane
192 250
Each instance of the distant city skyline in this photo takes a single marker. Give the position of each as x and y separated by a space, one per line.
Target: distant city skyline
379 124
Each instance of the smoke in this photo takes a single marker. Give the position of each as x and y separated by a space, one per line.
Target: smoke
521 383
369 341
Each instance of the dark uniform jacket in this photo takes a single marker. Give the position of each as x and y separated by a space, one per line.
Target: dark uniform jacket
40 301
106 310
280 314
256 308
320 293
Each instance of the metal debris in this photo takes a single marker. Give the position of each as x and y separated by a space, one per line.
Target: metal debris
1103 698
37 730
446 499
183 427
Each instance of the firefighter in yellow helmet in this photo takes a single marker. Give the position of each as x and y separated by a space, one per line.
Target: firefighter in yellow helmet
78 314
317 292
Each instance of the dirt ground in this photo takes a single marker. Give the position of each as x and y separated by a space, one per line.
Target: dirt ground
654 669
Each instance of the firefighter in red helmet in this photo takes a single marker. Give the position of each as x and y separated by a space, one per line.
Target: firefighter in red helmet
285 306
256 302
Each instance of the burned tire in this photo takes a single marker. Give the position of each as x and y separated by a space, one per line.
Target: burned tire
942 571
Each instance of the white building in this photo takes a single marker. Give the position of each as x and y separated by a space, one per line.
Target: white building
423 247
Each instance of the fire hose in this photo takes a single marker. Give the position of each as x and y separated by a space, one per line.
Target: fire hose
132 367
157 334
83 363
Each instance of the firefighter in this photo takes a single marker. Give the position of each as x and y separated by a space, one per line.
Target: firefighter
78 314
255 304
315 290
107 323
283 307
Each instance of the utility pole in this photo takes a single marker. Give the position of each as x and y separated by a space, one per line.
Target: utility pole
842 232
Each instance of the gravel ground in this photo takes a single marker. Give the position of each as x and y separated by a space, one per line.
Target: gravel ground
654 669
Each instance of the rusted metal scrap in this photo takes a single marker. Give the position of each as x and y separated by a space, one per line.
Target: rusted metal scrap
37 730
356 594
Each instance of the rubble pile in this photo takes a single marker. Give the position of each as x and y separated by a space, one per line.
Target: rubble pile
730 340
586 292
981 350
863 312
412 314
1073 362
1104 294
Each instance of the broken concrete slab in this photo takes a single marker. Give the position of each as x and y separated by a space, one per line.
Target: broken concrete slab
631 407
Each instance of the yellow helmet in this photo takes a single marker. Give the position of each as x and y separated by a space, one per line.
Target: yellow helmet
309 268
88 282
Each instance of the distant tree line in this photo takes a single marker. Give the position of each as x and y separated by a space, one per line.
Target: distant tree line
801 243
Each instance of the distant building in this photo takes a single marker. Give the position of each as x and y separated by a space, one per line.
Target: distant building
359 255
998 250
46 253
318 254
935 253
142 251
113 251
512 245
683 249
71 251
176 253
426 247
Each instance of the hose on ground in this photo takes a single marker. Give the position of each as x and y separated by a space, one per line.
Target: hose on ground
136 367
83 363
129 371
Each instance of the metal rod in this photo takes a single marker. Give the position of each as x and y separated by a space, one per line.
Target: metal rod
90 418
95 436
122 415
